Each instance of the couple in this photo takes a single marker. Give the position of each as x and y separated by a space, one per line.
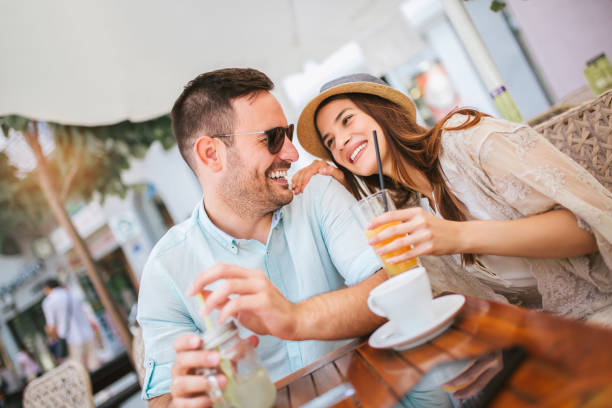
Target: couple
301 266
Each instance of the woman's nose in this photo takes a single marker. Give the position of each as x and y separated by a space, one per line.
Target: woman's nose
343 139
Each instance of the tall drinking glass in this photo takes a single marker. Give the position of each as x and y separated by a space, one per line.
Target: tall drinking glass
371 207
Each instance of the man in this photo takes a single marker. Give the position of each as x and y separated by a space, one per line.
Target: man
286 262
66 319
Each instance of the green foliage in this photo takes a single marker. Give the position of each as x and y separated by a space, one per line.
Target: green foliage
102 153
15 122
22 204
85 160
497 5
8 181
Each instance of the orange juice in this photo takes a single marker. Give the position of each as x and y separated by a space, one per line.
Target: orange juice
392 269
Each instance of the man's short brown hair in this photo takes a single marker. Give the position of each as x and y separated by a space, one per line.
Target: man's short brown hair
205 107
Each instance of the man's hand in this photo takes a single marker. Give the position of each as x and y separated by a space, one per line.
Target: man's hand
52 333
189 388
260 306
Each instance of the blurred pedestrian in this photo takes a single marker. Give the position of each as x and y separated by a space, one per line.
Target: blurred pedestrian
65 319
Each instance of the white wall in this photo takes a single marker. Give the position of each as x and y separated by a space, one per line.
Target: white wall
518 75
563 35
443 39
9 265
168 172
427 16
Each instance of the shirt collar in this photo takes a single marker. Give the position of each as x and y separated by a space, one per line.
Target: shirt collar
277 217
223 238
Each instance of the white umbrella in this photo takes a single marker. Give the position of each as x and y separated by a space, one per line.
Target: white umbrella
93 62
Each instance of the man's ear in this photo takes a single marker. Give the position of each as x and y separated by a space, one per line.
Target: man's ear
207 151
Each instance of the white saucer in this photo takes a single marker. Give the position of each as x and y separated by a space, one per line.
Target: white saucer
445 309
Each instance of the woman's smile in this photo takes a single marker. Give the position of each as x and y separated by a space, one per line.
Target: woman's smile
357 152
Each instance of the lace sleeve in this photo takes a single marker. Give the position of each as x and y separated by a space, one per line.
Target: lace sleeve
533 176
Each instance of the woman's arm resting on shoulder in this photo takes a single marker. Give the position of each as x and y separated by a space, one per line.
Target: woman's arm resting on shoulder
302 177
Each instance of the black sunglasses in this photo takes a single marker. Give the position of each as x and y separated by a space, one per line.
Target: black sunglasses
275 136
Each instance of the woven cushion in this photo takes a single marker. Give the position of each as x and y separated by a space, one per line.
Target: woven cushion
66 386
585 134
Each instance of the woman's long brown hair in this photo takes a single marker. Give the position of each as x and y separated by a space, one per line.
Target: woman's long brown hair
409 143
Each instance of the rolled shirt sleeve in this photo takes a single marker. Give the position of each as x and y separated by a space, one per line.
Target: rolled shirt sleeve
163 316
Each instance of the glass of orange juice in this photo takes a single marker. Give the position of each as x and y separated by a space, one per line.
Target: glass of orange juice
371 207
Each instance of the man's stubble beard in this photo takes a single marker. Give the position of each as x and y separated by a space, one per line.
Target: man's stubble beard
248 193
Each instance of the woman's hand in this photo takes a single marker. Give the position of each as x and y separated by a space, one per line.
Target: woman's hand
420 232
302 177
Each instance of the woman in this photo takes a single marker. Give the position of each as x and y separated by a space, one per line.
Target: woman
505 211
29 367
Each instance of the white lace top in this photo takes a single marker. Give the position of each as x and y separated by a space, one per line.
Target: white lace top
502 170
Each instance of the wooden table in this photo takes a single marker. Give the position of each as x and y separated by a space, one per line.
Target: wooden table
569 363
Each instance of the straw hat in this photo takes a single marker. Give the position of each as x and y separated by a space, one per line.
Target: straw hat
355 83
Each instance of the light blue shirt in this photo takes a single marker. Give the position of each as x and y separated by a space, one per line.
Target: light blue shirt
314 246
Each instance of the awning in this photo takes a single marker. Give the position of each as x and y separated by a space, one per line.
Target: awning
91 62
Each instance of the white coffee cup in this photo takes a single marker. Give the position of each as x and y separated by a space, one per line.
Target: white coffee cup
405 300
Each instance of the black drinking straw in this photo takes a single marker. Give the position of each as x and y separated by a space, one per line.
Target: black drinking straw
380 173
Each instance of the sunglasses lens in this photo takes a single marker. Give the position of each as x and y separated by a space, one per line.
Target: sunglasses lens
276 137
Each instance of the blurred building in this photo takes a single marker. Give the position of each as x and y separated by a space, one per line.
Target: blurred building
120 233
540 49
